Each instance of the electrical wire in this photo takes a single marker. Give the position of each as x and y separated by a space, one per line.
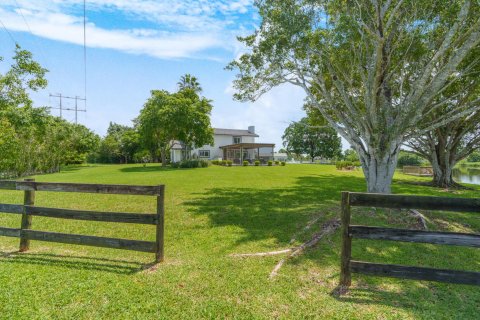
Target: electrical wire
6 30
30 30
85 50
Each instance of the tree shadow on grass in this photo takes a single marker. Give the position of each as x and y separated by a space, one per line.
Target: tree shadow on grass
74 168
273 213
281 212
152 168
73 262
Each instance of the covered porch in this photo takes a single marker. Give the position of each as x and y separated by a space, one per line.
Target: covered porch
250 152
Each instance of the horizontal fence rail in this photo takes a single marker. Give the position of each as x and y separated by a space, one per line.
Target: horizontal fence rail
140 218
406 235
415 273
413 202
349 232
80 187
115 243
28 210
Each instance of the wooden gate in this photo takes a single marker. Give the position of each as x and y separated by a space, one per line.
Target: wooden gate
28 210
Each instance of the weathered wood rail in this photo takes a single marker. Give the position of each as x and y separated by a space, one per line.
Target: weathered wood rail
349 266
418 171
28 210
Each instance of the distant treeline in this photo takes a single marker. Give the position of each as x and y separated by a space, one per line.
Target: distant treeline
31 140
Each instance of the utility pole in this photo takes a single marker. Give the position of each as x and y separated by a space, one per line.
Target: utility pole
62 108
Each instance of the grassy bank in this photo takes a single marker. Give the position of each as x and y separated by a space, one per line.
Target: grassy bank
211 213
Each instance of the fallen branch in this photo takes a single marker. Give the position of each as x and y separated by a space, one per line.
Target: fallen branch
328 228
420 217
261 254
306 228
273 253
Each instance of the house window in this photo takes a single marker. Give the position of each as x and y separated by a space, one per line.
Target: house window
204 153
237 140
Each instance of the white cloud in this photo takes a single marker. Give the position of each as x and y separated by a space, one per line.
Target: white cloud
271 114
181 28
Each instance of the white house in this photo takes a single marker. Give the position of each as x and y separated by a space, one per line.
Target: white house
229 144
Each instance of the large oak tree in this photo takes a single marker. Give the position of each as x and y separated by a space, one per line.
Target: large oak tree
373 68
167 117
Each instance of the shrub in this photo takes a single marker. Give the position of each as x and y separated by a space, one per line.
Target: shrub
245 163
474 157
283 163
408 159
257 163
270 163
341 165
194 163
277 162
229 163
223 162
216 162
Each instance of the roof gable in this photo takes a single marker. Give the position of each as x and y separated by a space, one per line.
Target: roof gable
234 132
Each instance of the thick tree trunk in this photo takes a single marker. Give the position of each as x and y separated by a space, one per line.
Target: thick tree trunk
442 172
379 172
163 154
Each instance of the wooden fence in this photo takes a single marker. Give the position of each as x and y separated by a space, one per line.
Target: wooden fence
28 210
418 171
349 266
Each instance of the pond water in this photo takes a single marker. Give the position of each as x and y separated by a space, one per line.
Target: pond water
467 174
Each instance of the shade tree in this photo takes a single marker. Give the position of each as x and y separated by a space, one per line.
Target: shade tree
374 69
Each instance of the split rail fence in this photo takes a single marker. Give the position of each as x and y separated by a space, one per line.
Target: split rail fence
418 171
349 266
28 210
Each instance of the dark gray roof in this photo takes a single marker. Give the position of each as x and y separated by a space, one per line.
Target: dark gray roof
234 132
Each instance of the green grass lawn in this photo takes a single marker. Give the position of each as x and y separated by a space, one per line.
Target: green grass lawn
211 213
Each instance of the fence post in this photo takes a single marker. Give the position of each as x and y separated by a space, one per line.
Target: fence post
28 200
160 224
345 274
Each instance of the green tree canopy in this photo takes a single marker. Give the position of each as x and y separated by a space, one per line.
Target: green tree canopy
374 69
31 140
316 141
167 117
188 81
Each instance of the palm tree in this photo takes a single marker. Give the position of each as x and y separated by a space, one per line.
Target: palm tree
188 81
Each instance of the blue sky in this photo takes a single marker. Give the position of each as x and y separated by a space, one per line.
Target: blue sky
135 46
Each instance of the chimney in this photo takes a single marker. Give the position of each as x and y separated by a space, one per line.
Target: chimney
251 129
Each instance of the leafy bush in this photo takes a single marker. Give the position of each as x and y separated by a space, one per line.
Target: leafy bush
257 163
474 157
245 163
283 163
408 159
351 155
190 164
342 165
277 162
270 163
229 163
216 162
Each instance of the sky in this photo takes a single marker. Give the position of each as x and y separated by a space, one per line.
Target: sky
134 46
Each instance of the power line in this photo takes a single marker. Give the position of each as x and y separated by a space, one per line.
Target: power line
85 49
62 108
6 30
30 30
